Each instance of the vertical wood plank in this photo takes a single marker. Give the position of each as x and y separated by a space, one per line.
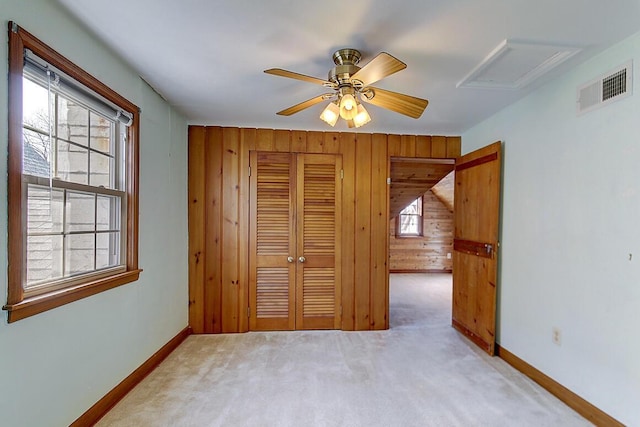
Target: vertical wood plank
213 230
253 246
331 142
408 145
196 228
348 149
315 142
230 223
247 144
394 145
423 146
454 147
388 213
264 139
363 232
379 233
438 147
298 141
282 141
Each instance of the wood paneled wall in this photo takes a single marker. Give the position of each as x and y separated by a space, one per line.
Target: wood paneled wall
219 217
427 253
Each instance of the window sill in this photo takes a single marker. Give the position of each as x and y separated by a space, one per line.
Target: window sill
41 303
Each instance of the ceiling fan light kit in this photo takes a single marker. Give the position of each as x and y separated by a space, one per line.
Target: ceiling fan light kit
351 84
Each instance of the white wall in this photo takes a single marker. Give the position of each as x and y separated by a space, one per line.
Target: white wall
570 219
55 365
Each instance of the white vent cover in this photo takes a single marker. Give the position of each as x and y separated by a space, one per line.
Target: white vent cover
613 86
515 64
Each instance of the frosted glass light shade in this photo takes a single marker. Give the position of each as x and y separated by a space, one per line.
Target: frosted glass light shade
348 107
330 114
362 117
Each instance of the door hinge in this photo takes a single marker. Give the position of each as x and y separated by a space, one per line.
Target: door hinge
341 173
248 311
388 181
249 170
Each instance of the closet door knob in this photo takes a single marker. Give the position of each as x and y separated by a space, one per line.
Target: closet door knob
302 259
290 259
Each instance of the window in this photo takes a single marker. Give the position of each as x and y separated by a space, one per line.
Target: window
409 221
73 180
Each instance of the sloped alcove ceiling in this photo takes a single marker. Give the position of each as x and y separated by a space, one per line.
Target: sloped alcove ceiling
411 178
443 190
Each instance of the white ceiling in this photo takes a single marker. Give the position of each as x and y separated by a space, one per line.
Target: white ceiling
206 57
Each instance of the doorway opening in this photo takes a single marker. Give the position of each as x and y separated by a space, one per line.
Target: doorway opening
420 235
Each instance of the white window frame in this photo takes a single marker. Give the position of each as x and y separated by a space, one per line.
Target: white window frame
419 207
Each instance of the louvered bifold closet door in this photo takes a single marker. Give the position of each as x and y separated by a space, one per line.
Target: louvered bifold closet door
272 245
318 230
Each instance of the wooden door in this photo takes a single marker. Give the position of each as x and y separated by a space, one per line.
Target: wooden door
272 244
475 244
294 265
318 249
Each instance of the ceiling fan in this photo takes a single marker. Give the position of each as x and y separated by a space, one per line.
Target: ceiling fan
351 84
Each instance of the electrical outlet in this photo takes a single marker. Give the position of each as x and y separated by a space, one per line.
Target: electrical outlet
556 336
448 255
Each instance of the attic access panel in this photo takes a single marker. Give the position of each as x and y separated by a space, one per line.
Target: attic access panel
515 64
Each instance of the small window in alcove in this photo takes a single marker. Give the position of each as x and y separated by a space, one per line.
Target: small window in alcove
409 221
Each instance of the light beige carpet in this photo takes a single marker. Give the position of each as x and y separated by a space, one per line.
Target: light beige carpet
421 372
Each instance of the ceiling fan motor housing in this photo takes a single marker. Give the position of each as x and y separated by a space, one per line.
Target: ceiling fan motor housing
341 74
345 60
346 56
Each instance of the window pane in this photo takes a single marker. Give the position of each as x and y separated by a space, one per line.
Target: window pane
72 163
107 250
100 174
80 212
63 121
44 259
409 224
108 213
77 123
35 108
44 210
79 253
413 208
36 152
100 133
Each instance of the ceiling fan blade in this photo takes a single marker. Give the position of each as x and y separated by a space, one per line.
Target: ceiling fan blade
398 102
290 74
381 66
306 104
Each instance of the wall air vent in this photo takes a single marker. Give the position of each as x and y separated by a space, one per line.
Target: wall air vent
609 87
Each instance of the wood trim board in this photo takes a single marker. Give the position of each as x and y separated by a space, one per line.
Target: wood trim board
572 400
109 400
435 271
